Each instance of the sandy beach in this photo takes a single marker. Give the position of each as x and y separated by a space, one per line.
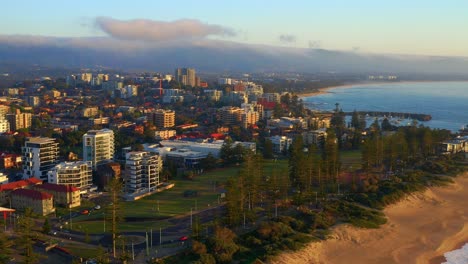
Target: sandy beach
420 229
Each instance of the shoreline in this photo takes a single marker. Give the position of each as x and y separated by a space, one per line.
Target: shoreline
421 228
325 90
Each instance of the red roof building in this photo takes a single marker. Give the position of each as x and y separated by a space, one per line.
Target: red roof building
40 202
6 189
32 194
64 195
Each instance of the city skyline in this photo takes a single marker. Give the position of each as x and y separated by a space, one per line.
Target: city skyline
397 27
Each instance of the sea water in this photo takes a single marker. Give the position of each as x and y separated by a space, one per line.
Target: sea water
446 102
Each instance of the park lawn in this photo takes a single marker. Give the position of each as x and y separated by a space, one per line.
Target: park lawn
82 251
279 165
97 227
351 159
172 202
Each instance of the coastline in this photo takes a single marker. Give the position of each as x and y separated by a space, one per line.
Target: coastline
421 228
325 90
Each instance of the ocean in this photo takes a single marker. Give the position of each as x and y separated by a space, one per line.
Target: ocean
446 102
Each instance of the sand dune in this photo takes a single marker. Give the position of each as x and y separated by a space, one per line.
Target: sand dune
421 228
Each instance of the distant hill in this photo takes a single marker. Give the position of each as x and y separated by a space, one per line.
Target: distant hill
213 56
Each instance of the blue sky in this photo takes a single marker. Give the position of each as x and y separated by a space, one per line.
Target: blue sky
402 27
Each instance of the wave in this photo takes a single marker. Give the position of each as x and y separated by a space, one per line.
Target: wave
459 256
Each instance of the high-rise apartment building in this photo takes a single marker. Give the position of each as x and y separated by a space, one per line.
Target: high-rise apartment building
77 174
142 172
98 147
39 156
19 120
4 124
186 76
230 115
162 118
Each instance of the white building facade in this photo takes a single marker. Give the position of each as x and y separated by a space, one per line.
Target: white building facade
77 174
40 154
142 171
98 147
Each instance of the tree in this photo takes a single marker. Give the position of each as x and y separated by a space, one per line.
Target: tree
209 163
46 226
25 238
330 158
277 111
115 191
268 149
223 245
5 248
355 123
297 164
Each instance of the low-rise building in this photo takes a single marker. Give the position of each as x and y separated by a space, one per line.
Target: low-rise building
3 178
41 203
106 172
165 134
316 137
280 143
64 195
7 188
457 145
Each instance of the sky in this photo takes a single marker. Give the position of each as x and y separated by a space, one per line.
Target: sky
397 27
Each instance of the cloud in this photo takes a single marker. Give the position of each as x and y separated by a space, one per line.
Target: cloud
153 30
287 38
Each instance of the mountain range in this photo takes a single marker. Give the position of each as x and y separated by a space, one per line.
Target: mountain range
213 56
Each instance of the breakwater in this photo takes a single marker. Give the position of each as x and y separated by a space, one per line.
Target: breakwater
417 116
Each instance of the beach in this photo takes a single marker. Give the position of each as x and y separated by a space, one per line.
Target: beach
420 229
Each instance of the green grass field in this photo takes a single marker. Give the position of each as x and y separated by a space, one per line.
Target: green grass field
151 211
350 160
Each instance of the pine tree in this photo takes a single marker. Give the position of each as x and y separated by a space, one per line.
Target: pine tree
25 238
297 164
115 191
5 248
46 226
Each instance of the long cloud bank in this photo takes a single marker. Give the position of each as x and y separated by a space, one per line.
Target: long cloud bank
153 30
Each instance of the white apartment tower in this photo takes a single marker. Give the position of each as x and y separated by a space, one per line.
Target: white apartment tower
77 174
98 147
39 156
142 172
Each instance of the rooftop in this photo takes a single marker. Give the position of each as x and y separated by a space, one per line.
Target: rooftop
19 184
58 187
33 194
